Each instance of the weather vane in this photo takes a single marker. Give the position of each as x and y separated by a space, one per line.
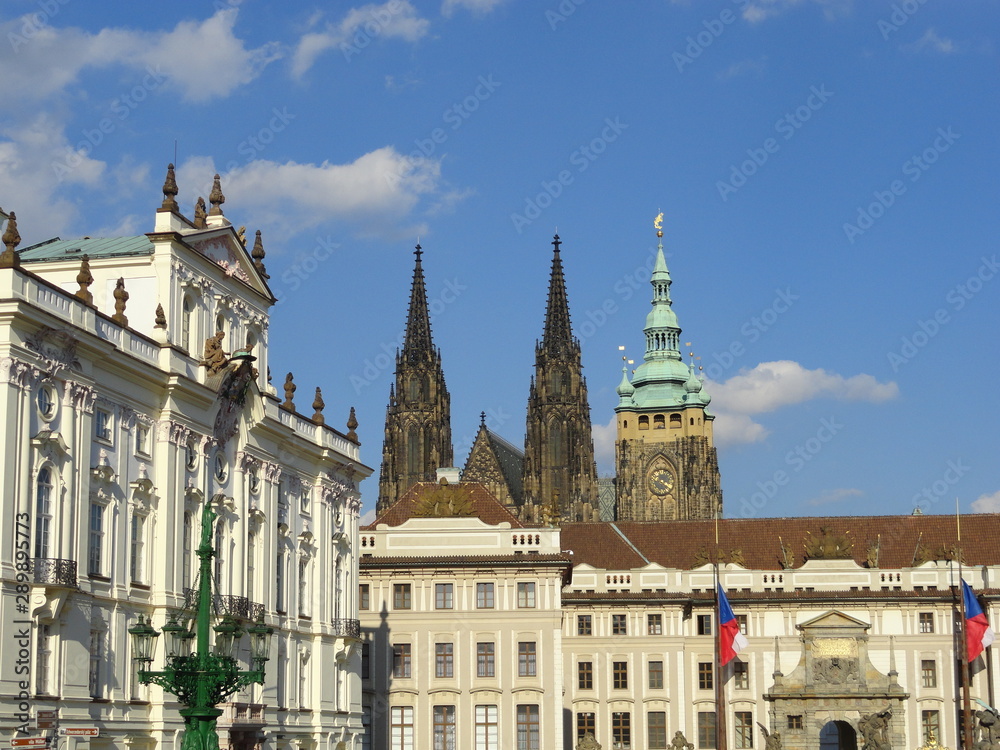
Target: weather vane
658 224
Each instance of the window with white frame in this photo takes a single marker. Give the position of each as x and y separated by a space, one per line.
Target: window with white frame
43 512
142 439
444 728
43 659
187 542
526 595
95 540
304 609
487 728
103 425
401 728
137 545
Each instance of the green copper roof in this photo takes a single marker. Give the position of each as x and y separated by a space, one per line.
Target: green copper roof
662 381
93 247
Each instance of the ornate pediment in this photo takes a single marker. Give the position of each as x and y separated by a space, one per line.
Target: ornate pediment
833 619
50 445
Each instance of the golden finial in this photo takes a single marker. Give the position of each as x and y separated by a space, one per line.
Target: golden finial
658 224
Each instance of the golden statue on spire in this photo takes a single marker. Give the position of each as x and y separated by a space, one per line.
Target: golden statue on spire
658 224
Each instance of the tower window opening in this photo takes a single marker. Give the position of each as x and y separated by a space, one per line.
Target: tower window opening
658 422
675 421
643 423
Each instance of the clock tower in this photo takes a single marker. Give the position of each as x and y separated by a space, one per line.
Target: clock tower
667 467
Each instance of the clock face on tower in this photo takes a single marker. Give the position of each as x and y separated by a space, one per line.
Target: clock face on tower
661 482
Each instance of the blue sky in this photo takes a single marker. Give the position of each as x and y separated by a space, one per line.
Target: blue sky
827 171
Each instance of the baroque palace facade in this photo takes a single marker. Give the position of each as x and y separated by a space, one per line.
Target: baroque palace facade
117 429
498 611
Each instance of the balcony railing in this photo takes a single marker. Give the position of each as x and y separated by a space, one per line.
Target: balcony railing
224 605
238 714
51 571
347 628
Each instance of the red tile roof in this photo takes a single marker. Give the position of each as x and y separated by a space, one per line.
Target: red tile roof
676 544
484 505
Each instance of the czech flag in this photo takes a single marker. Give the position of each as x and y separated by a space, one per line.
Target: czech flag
731 640
978 633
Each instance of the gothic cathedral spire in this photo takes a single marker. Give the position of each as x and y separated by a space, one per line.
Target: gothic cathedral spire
559 468
418 418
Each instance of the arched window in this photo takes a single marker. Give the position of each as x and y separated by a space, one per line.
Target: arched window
557 447
187 313
43 512
415 388
220 537
137 544
644 423
675 421
658 422
186 550
251 564
413 463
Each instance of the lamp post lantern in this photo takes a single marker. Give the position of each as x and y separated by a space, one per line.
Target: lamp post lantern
201 679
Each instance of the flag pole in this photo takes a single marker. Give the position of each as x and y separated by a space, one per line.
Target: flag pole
964 644
720 694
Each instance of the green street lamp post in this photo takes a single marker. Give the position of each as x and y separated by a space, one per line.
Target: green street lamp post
201 679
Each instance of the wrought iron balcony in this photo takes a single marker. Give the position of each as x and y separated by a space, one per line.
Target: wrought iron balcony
238 607
347 628
51 571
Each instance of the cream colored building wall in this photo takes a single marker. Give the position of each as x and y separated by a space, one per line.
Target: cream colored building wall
429 543
895 641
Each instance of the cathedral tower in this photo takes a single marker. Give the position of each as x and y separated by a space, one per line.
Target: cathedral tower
666 463
418 419
559 448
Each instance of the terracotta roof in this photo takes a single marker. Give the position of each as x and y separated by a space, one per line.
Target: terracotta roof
676 544
598 544
484 505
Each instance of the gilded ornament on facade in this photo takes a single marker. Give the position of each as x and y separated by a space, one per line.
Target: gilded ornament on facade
445 501
828 545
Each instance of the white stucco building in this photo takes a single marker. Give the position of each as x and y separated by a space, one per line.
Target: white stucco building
114 435
846 618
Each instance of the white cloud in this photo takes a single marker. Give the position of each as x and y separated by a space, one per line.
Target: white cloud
476 6
987 503
761 10
200 59
291 197
931 42
772 385
393 19
835 496
36 160
737 429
